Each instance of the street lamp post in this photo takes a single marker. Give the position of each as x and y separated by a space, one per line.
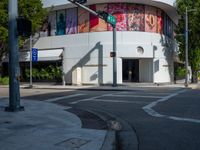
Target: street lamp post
186 45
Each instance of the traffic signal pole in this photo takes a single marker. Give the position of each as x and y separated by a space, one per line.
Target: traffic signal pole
84 7
14 70
114 57
102 15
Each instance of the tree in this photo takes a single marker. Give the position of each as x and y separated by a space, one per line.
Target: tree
194 34
30 9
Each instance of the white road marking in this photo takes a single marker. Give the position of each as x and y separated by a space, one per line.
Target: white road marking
143 96
63 97
116 101
149 109
89 99
146 93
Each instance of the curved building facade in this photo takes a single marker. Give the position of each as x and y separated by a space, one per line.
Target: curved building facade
145 41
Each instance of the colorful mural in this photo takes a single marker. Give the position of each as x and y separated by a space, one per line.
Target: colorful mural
60 23
150 19
83 21
159 21
119 11
52 24
136 17
130 17
97 24
71 21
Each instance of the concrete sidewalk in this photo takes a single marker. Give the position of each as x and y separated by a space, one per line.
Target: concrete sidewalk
125 86
45 126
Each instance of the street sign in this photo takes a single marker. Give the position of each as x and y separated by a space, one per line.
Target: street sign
111 19
107 17
34 54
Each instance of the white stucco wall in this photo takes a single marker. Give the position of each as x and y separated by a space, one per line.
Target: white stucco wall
91 52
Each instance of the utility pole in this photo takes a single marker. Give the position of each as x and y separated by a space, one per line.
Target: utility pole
14 69
186 47
112 21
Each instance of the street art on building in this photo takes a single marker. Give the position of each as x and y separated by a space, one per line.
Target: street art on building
159 21
71 21
130 17
60 30
97 24
52 24
119 11
83 20
150 19
135 17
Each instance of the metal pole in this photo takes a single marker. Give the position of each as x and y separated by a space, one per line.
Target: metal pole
115 57
14 69
186 47
31 64
84 7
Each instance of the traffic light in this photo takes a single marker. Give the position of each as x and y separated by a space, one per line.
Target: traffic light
103 15
80 1
24 27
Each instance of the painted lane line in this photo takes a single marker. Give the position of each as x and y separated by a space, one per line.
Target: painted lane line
149 109
64 97
142 96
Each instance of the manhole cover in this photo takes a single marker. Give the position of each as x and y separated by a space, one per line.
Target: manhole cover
73 143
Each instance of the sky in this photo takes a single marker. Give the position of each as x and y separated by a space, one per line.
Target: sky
49 3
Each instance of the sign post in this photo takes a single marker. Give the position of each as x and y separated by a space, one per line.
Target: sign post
33 58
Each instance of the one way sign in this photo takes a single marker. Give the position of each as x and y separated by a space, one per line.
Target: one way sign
34 54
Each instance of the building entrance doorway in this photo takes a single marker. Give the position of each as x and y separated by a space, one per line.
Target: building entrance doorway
130 70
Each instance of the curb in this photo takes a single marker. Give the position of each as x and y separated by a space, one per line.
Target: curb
110 141
115 137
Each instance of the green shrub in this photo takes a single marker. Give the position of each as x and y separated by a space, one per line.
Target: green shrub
4 80
180 72
48 73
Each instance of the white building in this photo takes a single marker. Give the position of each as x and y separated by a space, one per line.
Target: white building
146 48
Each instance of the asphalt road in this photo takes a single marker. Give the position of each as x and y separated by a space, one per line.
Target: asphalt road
162 118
